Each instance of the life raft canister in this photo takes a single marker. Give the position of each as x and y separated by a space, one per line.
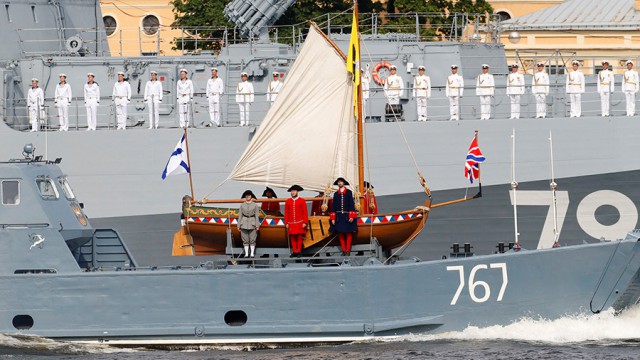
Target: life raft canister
380 65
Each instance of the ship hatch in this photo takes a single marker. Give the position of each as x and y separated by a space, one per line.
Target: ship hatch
23 322
235 318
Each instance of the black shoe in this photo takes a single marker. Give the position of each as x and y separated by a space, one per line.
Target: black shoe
348 253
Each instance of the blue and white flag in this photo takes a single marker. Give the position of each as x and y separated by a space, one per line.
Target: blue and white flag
177 163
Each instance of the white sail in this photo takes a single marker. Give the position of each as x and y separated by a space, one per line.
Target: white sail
308 137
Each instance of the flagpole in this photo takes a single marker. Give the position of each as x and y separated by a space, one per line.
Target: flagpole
479 172
514 187
186 142
553 186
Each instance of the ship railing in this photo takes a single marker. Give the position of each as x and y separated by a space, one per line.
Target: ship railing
71 41
559 62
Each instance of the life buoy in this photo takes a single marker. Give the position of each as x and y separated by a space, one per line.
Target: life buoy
380 65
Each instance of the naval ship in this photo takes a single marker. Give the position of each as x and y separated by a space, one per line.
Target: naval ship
118 173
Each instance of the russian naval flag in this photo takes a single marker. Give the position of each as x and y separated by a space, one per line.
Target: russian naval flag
177 163
474 158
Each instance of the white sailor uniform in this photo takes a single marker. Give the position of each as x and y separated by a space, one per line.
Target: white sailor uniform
515 89
365 82
575 89
244 98
153 98
62 102
91 101
273 89
630 88
184 92
393 89
540 90
121 97
421 91
454 91
606 85
35 102
485 89
215 88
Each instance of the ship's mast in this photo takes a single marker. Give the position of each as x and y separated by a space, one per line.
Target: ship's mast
553 186
360 120
514 187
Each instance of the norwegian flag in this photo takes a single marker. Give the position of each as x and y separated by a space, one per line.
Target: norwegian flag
474 158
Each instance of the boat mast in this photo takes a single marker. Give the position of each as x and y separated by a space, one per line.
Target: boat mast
186 143
514 187
553 186
360 121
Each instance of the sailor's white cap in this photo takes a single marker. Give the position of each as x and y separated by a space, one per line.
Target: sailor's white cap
275 73
154 72
121 73
514 65
392 67
62 74
421 67
214 69
575 62
629 62
34 79
485 66
605 62
244 74
91 74
454 66
539 63
184 70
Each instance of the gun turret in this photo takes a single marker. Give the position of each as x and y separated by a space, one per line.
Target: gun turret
253 17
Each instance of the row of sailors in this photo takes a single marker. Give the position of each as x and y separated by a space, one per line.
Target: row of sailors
153 93
485 87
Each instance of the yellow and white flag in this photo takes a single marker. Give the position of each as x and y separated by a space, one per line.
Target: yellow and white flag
353 60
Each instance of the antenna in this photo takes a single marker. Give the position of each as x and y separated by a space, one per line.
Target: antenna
514 187
553 186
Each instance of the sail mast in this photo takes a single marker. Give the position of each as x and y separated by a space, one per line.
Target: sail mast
359 119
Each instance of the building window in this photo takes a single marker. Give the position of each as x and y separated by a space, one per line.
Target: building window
110 24
503 15
150 24
10 192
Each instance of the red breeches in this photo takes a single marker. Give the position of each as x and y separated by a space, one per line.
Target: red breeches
296 242
345 241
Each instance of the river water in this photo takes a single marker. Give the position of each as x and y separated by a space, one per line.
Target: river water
602 336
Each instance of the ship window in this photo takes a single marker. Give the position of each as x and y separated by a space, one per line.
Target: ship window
66 188
23 322
235 318
10 192
110 24
150 24
47 188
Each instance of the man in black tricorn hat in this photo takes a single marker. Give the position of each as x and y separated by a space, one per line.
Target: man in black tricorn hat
270 208
343 215
249 222
295 219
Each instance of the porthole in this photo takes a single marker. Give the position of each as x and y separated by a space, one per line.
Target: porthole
23 322
150 24
235 318
110 24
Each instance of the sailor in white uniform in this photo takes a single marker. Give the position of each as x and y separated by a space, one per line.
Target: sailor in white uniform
393 87
454 91
485 88
35 102
515 89
185 94
91 101
244 98
365 81
606 85
274 88
421 91
540 90
153 97
121 97
575 89
630 87
215 88
62 101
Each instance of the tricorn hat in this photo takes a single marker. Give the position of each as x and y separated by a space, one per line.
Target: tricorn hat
248 192
264 193
368 185
295 187
343 180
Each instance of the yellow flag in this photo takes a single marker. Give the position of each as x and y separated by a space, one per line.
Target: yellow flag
353 60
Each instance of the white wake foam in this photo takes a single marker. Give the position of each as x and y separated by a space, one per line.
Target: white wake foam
604 327
47 345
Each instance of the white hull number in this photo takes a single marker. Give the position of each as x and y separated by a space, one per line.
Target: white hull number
474 285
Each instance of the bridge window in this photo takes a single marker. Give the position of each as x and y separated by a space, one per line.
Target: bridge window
110 24
150 24
66 188
47 188
10 192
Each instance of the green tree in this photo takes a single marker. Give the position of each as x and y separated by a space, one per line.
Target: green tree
202 17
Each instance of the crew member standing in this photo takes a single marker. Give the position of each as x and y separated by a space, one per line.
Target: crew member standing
184 92
485 88
343 215
35 102
215 88
62 102
121 97
365 81
274 87
454 91
515 89
244 98
394 91
540 89
153 98
249 223
575 89
630 87
270 208
606 86
295 219
421 91
91 101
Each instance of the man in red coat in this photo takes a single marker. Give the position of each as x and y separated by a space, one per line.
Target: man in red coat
270 208
295 219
